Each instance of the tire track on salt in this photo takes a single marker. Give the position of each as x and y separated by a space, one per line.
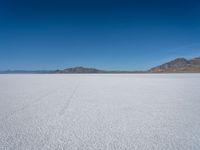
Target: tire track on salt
63 110
30 104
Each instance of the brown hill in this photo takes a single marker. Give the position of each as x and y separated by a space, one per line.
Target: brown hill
80 70
179 65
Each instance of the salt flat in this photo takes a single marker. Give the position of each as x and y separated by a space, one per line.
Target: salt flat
102 111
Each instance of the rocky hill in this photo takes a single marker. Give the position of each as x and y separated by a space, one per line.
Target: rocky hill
94 70
179 65
80 70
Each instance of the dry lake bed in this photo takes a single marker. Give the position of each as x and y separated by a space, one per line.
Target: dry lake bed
100 112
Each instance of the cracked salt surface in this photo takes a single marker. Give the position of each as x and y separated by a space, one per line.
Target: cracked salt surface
102 111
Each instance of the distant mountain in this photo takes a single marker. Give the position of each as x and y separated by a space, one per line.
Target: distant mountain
80 70
93 70
179 65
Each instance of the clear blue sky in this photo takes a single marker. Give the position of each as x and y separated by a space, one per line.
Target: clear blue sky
106 34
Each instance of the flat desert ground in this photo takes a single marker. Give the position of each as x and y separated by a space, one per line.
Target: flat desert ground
100 112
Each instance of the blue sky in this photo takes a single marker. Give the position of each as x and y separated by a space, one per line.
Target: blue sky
126 35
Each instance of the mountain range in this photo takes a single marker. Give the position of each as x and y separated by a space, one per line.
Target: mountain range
179 65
